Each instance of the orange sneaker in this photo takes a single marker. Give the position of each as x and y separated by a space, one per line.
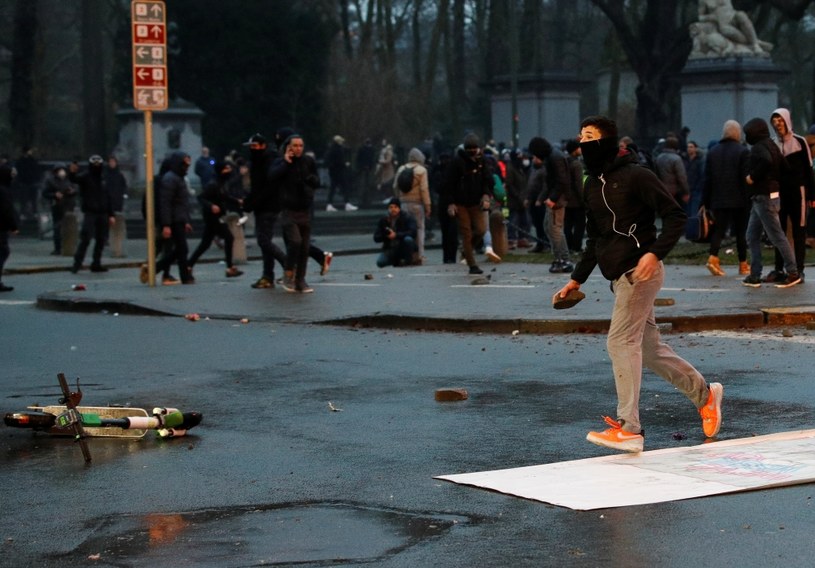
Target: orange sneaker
616 438
711 412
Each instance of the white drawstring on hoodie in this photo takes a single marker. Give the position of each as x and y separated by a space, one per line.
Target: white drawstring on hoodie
631 229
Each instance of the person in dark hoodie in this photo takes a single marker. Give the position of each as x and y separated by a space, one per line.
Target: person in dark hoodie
9 223
62 195
174 215
724 193
797 191
467 188
97 214
264 202
294 174
766 167
215 201
622 202
553 199
397 232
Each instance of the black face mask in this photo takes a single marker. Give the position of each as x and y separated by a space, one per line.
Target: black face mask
599 154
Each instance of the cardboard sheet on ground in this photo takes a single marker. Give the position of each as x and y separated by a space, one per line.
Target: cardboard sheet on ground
620 480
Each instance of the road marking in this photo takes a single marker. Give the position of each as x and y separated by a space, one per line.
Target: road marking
17 302
696 290
492 286
347 284
758 336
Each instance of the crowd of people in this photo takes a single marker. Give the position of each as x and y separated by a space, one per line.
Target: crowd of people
484 199
597 200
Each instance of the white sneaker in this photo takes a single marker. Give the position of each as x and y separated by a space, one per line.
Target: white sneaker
491 255
243 220
349 207
330 207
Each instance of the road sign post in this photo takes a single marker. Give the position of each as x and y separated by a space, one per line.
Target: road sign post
149 34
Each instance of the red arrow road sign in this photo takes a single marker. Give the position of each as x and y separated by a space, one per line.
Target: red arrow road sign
149 49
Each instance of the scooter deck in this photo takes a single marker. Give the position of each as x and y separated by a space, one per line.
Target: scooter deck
103 412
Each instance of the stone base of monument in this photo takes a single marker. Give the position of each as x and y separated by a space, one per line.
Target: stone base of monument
70 233
718 89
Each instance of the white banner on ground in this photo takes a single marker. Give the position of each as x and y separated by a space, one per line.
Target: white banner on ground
621 480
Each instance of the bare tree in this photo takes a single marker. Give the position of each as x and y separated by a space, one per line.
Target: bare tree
21 101
93 78
654 37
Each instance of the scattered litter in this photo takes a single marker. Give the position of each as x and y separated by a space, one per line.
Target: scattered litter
390 275
79 287
515 332
369 277
664 301
481 280
333 408
244 320
94 556
678 436
787 333
192 317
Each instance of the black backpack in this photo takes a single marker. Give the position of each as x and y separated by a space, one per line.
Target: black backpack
404 181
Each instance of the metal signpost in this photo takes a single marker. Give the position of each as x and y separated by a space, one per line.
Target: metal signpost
149 29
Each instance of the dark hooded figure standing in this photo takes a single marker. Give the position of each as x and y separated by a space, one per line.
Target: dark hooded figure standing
264 202
9 223
295 176
174 215
215 200
97 214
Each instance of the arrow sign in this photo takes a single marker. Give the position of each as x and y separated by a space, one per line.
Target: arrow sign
149 50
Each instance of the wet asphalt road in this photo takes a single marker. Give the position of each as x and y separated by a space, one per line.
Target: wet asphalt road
275 477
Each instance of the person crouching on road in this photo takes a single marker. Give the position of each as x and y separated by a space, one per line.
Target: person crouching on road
397 233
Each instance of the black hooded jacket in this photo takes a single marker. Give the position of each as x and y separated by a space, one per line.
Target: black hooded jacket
93 193
294 181
174 195
263 196
216 192
467 179
8 216
766 164
622 204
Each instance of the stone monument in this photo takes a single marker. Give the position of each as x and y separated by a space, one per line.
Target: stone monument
729 74
177 128
548 105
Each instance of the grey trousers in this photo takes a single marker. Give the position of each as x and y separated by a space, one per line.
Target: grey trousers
634 340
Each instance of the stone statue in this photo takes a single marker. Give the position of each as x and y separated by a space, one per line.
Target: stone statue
723 31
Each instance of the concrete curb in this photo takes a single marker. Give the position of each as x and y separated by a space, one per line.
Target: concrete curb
768 317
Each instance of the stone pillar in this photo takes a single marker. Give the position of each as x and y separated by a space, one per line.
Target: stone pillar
70 233
715 90
239 246
118 235
548 105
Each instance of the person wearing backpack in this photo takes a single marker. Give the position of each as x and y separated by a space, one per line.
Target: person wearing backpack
411 187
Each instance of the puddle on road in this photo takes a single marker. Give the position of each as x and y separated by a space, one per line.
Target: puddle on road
334 533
